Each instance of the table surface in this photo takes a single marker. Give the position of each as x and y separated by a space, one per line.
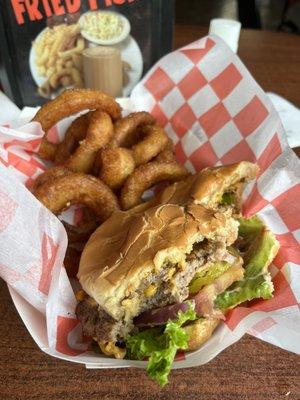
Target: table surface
250 369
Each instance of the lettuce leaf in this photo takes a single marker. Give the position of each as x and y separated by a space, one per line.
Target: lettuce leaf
257 281
160 345
251 226
208 275
259 287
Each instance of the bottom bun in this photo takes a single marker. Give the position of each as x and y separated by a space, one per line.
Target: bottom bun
199 332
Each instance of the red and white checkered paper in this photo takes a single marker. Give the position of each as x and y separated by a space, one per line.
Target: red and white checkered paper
216 114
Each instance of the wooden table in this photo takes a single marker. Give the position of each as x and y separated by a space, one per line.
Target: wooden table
250 369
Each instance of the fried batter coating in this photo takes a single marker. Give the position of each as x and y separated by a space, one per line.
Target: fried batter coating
99 133
50 175
146 176
116 165
154 140
76 132
125 128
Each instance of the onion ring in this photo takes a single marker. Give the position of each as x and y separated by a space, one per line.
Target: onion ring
76 132
76 233
47 150
99 133
116 166
71 261
82 231
69 103
167 155
78 188
127 126
154 141
98 163
146 176
49 175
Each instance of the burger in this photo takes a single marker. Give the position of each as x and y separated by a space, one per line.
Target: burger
160 277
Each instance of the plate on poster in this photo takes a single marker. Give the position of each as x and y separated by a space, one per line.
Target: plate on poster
130 53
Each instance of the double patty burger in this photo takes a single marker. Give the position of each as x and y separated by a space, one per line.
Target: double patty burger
161 276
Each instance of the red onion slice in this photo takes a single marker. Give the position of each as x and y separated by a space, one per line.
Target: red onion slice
161 316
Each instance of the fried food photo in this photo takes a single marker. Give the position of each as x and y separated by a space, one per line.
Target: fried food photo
157 276
58 58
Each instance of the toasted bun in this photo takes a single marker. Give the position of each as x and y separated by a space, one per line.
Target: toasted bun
200 331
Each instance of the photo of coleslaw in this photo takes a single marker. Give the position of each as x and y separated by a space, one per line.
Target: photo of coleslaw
104 26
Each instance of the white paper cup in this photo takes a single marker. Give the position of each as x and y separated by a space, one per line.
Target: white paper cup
228 30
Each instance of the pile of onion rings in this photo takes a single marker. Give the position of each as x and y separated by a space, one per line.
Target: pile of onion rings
104 163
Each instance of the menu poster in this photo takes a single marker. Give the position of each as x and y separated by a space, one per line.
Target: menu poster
50 45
